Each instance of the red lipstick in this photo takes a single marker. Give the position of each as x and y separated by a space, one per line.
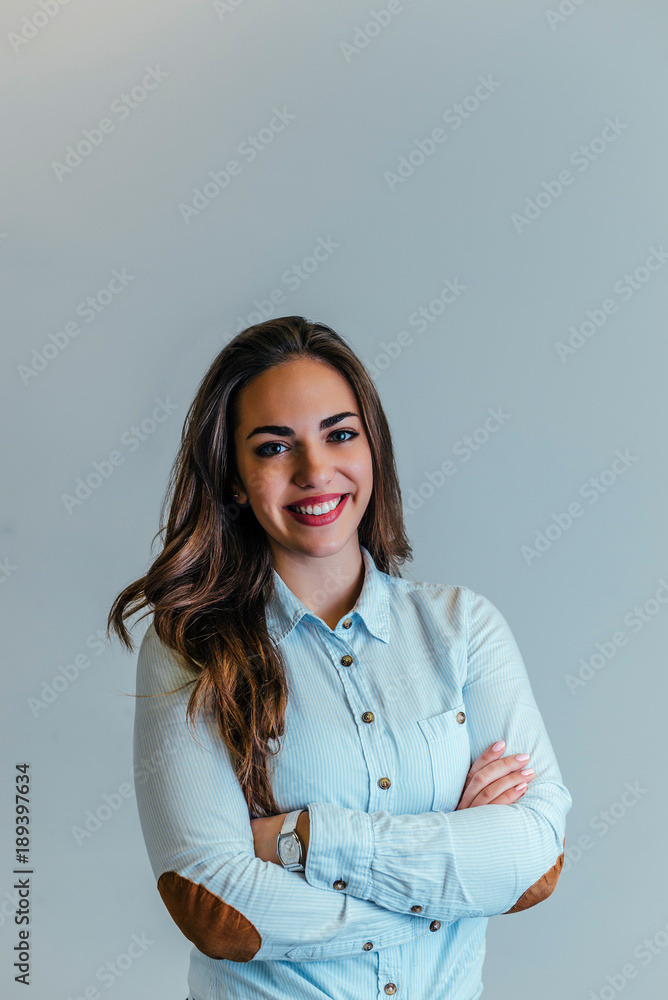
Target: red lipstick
318 519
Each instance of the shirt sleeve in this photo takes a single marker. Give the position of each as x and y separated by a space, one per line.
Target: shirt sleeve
480 861
196 826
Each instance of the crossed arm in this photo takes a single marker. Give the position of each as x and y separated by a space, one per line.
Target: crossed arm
388 872
490 780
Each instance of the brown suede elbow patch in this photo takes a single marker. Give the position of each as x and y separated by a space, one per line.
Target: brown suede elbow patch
214 927
542 888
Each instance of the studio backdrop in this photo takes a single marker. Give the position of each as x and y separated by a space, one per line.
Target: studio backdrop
473 194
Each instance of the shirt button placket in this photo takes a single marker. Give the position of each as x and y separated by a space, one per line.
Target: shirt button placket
340 884
388 973
385 783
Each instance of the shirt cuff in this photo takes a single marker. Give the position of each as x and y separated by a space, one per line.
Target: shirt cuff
340 848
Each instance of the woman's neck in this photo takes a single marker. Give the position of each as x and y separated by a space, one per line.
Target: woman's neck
327 585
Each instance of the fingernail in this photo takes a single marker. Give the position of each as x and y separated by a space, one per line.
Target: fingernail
499 746
527 770
518 788
522 756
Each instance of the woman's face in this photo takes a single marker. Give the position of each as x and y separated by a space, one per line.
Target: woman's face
284 456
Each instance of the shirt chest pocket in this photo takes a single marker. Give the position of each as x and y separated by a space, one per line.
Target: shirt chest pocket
450 755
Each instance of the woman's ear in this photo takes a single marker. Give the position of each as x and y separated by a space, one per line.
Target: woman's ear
238 493
235 484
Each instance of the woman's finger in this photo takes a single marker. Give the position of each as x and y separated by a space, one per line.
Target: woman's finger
508 788
487 756
486 773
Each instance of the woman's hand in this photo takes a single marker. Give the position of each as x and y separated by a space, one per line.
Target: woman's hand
266 830
493 780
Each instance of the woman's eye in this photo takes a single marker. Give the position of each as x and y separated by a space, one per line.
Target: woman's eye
272 444
277 444
354 434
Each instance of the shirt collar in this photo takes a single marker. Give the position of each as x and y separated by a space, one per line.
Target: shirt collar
284 610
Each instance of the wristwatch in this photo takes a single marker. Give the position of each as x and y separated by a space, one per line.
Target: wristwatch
289 847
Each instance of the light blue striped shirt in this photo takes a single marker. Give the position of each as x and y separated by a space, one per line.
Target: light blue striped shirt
385 715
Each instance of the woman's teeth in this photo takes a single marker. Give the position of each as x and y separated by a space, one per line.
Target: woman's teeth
319 508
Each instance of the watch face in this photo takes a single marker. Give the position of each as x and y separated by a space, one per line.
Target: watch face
289 851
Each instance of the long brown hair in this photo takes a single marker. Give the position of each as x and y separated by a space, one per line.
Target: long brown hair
209 585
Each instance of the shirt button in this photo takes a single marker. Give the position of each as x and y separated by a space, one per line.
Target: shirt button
368 945
416 909
346 660
339 884
390 988
368 717
461 717
347 622
384 782
434 925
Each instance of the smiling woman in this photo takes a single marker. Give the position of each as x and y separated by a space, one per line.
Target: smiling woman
307 472
323 822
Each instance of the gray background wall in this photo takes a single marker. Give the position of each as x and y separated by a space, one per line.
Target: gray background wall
540 258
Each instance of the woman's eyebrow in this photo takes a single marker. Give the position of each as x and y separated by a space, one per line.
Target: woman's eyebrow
288 431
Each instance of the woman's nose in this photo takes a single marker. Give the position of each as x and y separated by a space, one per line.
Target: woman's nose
313 465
